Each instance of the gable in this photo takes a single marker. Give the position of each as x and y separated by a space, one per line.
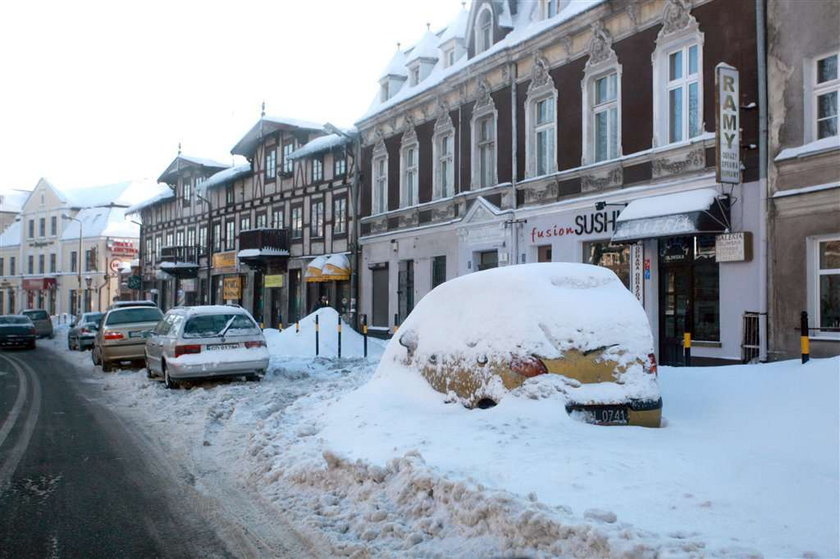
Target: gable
51 197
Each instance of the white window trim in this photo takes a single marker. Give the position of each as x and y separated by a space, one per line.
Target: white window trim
479 48
668 41
541 88
379 205
812 265
602 62
409 195
443 128
812 90
484 107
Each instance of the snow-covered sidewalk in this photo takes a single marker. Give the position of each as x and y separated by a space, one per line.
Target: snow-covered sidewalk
746 464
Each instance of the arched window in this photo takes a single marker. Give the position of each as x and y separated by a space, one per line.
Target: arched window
484 30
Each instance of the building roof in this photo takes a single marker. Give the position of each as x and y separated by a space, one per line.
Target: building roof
265 126
320 145
157 194
12 201
224 177
11 235
101 222
427 48
182 162
457 29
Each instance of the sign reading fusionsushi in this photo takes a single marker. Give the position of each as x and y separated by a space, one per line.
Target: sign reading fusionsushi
728 131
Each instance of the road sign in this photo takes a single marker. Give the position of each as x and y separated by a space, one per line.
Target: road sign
115 265
135 282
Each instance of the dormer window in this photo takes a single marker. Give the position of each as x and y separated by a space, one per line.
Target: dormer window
383 92
415 75
484 30
449 57
549 8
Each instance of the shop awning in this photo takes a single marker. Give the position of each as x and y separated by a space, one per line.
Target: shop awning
328 267
671 215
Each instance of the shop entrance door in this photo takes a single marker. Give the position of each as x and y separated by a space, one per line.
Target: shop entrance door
674 298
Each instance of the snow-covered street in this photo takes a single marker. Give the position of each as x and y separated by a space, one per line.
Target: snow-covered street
377 465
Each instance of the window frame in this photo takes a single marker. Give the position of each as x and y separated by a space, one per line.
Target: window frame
230 234
486 112
814 91
317 214
339 164
593 73
814 273
379 184
483 29
444 129
296 222
339 215
410 170
316 169
270 163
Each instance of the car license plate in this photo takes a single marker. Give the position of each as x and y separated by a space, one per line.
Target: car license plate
222 346
137 334
610 414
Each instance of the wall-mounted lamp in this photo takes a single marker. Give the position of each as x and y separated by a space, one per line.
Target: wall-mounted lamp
599 206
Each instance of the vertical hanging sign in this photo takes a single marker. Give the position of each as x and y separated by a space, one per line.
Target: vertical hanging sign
637 278
728 129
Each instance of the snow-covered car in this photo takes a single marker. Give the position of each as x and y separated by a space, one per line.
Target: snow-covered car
479 336
206 341
122 335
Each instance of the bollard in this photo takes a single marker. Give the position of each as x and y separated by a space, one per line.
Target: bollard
339 336
396 322
280 322
804 340
364 332
317 334
687 348
297 326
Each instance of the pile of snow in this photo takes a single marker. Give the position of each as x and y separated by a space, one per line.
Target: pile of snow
299 341
746 464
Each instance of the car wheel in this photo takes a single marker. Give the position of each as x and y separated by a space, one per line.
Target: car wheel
107 367
93 356
168 382
69 343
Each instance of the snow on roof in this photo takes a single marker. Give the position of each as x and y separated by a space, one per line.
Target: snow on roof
13 200
11 235
266 125
183 162
396 67
203 161
156 194
101 222
669 204
426 48
318 145
121 194
826 144
524 26
457 29
224 177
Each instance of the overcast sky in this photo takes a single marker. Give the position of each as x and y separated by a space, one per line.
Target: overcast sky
99 92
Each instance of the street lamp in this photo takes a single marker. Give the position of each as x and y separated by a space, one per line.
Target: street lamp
355 140
79 267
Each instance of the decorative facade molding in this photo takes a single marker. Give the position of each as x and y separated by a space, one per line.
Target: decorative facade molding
540 77
410 130
676 17
599 181
634 13
600 46
483 97
694 160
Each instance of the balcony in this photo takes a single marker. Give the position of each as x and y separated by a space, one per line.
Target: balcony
258 247
180 261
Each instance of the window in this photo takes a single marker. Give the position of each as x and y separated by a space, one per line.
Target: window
30 269
244 223
42 227
824 285
90 260
53 225
409 194
339 216
317 169
229 195
12 270
438 270
41 263
826 91
270 163
544 253
484 30
149 250
339 165
383 91
543 136
277 221
217 237
485 142
52 263
230 234
614 257
288 163
415 75
602 121
187 190
549 8
179 238
158 246
486 260
190 237
202 238
316 221
379 202
443 146
170 239
678 77
2 266
297 222
31 228
449 57
262 220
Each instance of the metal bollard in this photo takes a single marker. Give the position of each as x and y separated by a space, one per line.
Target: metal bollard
317 334
396 322
297 326
339 336
687 348
364 332
804 339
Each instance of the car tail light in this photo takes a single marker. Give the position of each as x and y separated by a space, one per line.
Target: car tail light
258 343
108 335
187 349
85 331
528 366
33 330
651 364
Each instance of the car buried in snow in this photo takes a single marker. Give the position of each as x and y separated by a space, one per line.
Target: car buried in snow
477 337
208 341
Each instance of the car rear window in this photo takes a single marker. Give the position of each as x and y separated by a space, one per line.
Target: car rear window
92 317
37 315
209 325
129 316
14 320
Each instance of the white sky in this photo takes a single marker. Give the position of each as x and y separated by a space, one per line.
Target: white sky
96 92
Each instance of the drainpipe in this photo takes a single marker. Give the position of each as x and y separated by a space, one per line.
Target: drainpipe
514 146
764 262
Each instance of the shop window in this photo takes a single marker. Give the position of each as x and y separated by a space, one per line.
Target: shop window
824 285
544 253
607 255
438 270
487 260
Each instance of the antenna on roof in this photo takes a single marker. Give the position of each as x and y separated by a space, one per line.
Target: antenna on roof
262 113
179 148
428 26
398 45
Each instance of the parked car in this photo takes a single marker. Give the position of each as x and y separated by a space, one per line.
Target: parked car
206 341
122 335
17 330
42 321
83 330
139 303
477 337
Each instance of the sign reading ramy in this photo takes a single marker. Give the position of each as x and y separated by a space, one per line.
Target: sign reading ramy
728 132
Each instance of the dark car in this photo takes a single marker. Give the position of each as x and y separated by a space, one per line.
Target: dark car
17 331
83 330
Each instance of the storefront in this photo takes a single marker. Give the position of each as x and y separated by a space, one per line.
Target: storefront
328 277
227 284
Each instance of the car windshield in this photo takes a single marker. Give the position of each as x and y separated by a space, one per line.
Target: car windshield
128 316
209 325
37 315
14 320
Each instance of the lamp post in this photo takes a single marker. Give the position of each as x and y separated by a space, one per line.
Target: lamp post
355 140
79 267
209 242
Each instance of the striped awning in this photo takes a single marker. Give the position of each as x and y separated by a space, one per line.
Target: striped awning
328 267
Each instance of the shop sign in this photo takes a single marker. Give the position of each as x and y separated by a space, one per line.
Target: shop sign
224 260
637 278
274 280
728 135
734 247
33 284
232 288
122 248
188 285
591 223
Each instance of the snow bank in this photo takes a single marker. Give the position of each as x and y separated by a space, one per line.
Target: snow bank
293 343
